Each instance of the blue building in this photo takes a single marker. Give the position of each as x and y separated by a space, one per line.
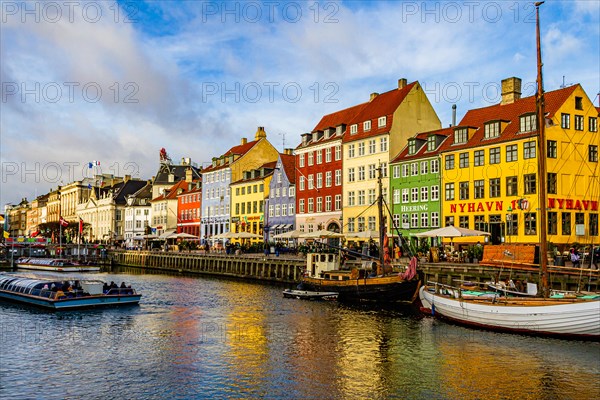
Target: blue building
280 206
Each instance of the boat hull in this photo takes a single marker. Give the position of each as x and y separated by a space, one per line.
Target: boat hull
71 303
70 268
308 295
390 289
541 317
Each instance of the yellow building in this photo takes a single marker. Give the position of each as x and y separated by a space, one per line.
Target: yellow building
248 201
490 168
375 134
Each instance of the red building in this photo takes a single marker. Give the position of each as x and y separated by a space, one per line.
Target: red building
189 206
319 173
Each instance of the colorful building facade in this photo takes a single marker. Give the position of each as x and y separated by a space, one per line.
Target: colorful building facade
280 204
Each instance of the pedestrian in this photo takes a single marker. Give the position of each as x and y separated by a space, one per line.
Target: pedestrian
575 258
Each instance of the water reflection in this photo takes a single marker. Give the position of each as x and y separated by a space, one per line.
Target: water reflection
197 337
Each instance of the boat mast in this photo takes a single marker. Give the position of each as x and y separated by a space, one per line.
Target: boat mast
541 123
380 216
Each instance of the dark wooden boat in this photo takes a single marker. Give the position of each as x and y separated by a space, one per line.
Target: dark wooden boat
308 295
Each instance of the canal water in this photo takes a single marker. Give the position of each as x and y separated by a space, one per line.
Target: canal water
196 337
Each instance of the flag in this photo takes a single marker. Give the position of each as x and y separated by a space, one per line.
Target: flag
80 226
6 235
34 234
63 222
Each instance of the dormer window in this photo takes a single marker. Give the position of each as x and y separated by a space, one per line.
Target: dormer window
367 126
492 130
578 103
412 146
461 135
381 122
430 143
528 123
353 129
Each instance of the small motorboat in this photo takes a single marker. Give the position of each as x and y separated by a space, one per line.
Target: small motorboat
309 295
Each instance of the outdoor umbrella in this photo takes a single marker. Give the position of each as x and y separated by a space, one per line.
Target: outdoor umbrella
362 235
451 231
288 235
321 234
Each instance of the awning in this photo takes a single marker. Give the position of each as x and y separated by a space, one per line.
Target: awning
274 227
287 226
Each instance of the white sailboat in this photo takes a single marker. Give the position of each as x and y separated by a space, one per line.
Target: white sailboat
568 316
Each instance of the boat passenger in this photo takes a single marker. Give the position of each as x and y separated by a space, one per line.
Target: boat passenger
123 286
59 294
113 285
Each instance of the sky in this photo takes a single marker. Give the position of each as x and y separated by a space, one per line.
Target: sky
114 82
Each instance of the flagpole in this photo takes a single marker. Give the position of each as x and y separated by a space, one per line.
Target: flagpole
60 237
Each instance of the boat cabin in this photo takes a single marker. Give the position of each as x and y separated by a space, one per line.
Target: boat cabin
327 266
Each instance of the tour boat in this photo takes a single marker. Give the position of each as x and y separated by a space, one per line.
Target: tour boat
576 316
46 293
54 265
308 295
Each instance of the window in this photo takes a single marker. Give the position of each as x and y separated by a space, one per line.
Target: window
414 169
319 156
277 213
328 154
478 158
552 223
372 225
319 204
530 186
511 153
424 167
566 223
283 192
528 150
361 224
435 219
491 130
578 103
367 126
361 197
425 193
424 220
593 153
414 195
361 173
414 220
361 149
480 222
396 220
311 182
350 224
511 186
351 151
381 122
495 155
350 174
276 192
284 210
311 205
338 152
593 224
463 221
310 158
328 180
463 191
530 223
372 196
578 120
435 193
372 171
372 146
450 161
461 135
338 202
319 180
404 170
479 189
593 124
495 187
565 121
449 191
351 199
396 171
449 221
338 177
292 191
383 144
463 160
412 146
528 123
430 143
551 149
353 129
512 224
435 166
551 183
405 195
396 196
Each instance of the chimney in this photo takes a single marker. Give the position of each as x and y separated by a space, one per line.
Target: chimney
127 178
453 114
244 140
260 133
188 175
402 83
511 90
171 178
289 152
372 96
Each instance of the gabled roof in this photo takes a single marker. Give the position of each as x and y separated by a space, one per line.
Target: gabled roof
124 189
172 192
332 121
382 105
511 112
239 150
422 151
162 176
288 162
269 165
143 193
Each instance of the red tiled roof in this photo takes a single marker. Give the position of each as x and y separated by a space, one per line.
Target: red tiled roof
382 105
507 112
422 151
598 109
289 166
333 120
240 149
172 191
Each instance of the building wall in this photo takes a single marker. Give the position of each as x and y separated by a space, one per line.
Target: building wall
215 202
188 210
280 199
242 219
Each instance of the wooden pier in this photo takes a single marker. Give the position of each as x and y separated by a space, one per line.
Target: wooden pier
289 269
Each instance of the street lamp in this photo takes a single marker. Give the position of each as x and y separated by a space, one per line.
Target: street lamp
510 221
